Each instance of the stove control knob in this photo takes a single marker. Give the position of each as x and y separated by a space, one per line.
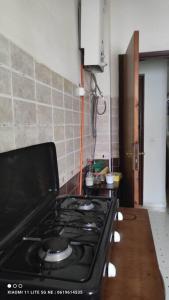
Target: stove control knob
119 216
117 237
111 270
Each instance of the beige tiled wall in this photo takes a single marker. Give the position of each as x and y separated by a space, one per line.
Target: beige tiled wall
38 105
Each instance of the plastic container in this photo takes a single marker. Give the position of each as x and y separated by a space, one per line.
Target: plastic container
117 176
109 178
89 179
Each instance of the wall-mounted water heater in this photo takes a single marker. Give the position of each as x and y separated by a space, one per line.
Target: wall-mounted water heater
92 34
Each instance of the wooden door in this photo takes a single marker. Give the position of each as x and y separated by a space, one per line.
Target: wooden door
128 122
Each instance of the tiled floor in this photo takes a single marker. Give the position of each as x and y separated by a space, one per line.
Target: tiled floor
160 228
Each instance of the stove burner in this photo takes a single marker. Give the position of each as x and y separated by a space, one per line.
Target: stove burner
90 225
86 205
82 204
55 249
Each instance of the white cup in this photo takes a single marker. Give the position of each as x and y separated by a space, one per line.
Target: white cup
109 178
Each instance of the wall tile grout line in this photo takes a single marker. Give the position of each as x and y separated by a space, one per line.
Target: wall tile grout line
43 107
12 98
36 104
53 125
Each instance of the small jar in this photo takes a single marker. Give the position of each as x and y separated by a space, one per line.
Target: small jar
89 179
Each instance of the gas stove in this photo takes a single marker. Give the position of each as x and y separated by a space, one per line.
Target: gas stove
55 246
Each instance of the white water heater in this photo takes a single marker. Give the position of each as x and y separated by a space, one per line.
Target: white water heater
92 34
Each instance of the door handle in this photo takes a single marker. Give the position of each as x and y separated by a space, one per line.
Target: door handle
129 153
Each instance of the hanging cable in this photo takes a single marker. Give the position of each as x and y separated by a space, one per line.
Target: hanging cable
96 87
94 101
96 95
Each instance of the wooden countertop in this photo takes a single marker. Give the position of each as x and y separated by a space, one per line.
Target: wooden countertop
138 276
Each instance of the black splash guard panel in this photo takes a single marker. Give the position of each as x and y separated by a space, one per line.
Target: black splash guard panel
26 177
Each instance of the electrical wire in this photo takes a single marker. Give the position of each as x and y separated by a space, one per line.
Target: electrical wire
94 91
94 103
96 87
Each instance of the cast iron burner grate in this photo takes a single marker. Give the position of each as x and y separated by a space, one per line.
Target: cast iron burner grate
81 219
76 267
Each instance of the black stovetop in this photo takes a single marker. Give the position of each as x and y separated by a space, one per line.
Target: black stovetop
73 223
49 243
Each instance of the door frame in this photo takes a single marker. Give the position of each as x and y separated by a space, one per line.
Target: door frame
141 136
142 57
153 54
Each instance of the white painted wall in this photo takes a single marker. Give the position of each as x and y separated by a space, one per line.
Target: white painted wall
155 71
150 17
47 29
